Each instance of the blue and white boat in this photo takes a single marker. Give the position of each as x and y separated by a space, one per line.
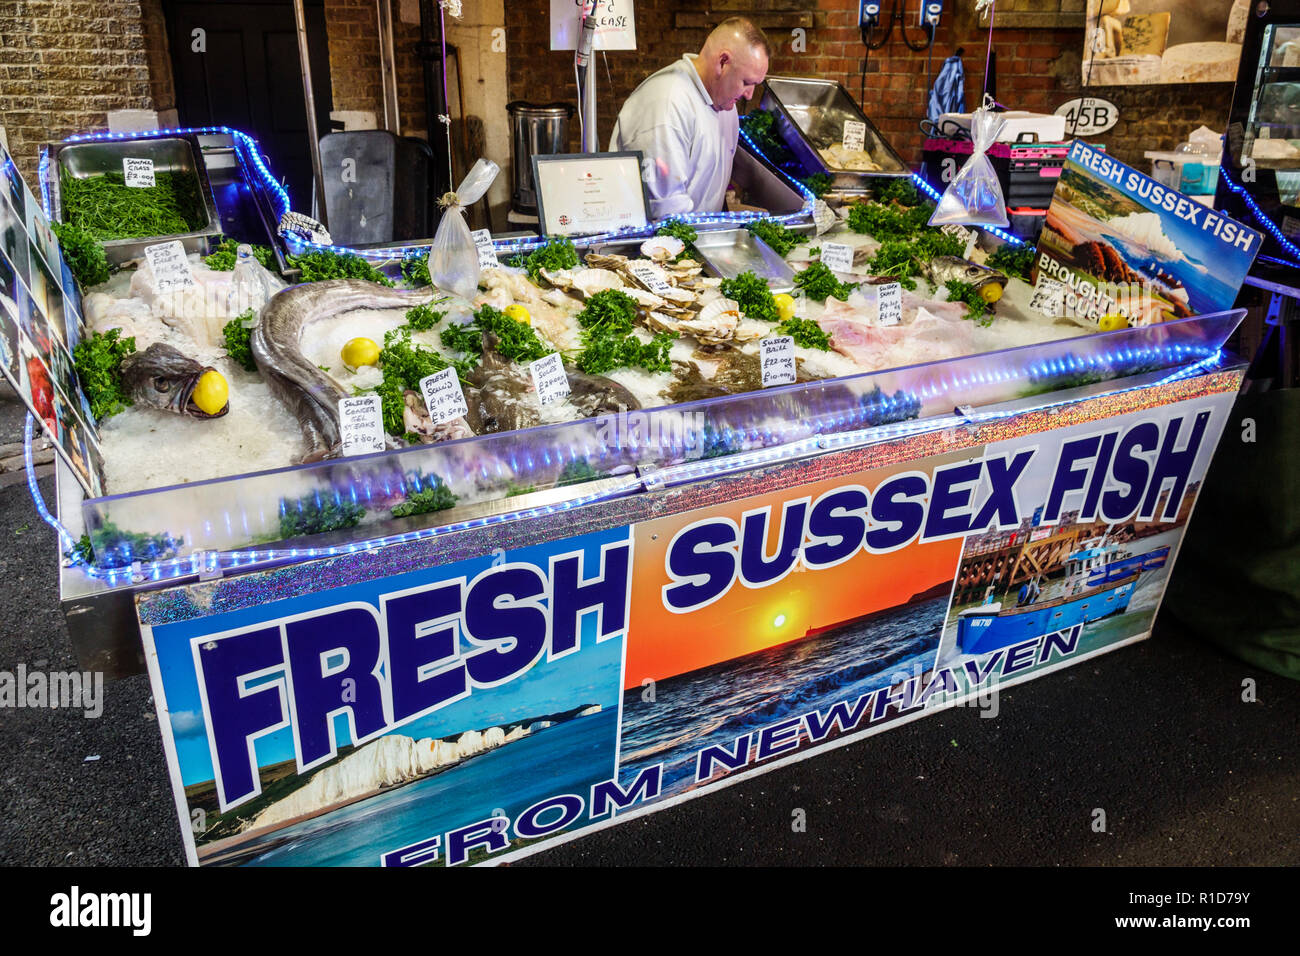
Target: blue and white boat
1099 581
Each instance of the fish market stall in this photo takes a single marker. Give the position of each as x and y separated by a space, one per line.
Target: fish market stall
434 567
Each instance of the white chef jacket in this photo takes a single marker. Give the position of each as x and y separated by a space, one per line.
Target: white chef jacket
687 145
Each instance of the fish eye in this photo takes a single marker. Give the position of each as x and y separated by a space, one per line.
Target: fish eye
161 384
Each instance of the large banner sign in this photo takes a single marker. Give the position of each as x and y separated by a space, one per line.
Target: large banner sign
1117 241
466 711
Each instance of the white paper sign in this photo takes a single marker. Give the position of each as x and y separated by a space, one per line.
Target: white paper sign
443 396
171 270
889 302
615 24
361 424
968 236
549 378
777 354
1049 297
487 255
650 276
138 172
837 256
823 216
855 134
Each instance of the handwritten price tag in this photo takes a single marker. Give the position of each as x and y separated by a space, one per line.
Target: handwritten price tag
549 378
361 422
1049 297
138 172
855 134
171 270
443 396
650 276
777 354
889 300
837 256
487 256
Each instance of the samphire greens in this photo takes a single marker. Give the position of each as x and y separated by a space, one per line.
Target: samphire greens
107 208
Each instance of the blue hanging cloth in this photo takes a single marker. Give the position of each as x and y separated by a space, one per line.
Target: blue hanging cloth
948 95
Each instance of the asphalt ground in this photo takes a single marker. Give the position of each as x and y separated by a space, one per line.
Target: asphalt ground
1156 735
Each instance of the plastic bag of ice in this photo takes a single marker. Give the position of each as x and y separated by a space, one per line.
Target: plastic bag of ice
974 197
251 284
453 258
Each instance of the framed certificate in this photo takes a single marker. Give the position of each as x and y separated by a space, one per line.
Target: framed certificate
581 194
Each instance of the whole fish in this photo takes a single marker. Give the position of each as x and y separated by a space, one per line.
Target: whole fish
162 377
942 269
308 392
502 398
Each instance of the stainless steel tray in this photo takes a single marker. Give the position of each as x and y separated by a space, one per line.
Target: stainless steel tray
810 115
170 154
729 252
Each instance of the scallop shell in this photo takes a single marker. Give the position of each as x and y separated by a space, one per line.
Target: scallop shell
560 278
720 307
597 260
662 248
591 281
645 298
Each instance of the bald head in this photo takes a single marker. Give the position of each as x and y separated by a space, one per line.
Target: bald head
733 62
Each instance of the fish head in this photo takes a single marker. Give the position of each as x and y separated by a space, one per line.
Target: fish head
162 377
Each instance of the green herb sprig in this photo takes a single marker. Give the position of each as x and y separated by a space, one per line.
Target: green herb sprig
680 230
819 283
752 295
98 361
223 258
806 333
781 239
319 265
83 254
555 255
238 341
422 318
977 309
435 497
1012 260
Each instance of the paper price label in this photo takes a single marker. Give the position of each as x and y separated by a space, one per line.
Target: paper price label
443 396
650 276
968 236
361 424
823 216
1049 297
855 134
777 354
889 302
549 378
487 256
138 172
837 256
171 270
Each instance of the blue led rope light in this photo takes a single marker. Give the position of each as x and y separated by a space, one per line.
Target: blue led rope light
1260 216
211 561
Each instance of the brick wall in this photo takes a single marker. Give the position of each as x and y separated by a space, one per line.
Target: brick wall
352 27
1037 46
65 63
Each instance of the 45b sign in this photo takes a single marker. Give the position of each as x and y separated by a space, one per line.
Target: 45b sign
1088 116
